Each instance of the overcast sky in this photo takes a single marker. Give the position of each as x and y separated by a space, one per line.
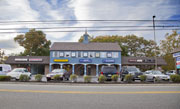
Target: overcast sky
38 10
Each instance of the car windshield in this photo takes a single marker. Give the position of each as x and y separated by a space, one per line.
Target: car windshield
58 71
133 69
17 70
109 70
156 72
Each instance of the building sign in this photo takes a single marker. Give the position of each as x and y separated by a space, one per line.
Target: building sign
21 59
108 61
35 60
139 60
132 60
176 54
61 60
85 60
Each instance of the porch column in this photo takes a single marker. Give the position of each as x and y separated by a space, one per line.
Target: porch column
85 70
50 67
97 69
72 68
119 67
61 66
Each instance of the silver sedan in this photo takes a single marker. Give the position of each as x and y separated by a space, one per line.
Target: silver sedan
154 75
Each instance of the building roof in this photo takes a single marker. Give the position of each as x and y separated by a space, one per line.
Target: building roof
28 60
176 50
142 61
75 46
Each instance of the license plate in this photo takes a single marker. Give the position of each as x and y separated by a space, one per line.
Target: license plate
109 75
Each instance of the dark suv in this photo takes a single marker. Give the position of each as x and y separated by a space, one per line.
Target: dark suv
133 70
108 71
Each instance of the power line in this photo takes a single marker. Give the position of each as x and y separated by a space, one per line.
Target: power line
95 30
88 27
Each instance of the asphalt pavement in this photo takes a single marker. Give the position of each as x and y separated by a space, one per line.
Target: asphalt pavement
30 96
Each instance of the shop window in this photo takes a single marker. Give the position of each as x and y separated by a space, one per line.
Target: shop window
73 54
61 54
91 55
85 54
103 54
56 54
67 54
97 54
115 54
109 54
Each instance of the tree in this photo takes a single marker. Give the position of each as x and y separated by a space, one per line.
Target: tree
131 45
2 56
34 42
167 45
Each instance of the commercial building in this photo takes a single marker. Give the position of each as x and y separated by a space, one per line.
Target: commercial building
82 58
176 55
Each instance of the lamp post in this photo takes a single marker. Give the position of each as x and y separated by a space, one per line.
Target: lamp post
155 54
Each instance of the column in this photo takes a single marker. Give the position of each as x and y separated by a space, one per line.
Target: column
50 67
119 67
61 66
97 69
72 68
84 69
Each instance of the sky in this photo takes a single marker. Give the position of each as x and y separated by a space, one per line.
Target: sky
39 10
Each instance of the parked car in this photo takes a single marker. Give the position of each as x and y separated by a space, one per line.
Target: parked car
108 71
62 72
152 75
17 72
4 69
171 72
133 70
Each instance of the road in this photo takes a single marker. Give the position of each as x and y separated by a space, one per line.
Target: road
59 96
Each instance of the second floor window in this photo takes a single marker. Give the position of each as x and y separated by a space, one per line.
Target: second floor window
67 54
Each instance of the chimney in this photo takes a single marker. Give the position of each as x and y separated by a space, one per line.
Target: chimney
85 38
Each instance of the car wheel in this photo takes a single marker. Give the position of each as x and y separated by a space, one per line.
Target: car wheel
154 79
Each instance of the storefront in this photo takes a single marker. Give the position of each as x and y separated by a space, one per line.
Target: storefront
35 64
176 55
84 58
143 63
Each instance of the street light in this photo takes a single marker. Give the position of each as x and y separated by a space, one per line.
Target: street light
155 55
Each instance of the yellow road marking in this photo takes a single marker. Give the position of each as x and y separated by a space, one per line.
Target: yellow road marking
88 92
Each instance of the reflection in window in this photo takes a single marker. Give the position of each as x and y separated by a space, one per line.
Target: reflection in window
91 54
97 54
103 54
61 54
67 54
115 54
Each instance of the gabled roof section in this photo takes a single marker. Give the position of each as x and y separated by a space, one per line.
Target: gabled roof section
75 46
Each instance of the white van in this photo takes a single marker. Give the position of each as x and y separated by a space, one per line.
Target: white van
4 69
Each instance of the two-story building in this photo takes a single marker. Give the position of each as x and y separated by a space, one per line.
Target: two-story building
84 58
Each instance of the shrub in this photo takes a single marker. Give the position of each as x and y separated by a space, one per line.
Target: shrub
73 78
102 78
87 79
38 77
5 78
143 78
24 78
128 78
57 77
115 78
175 78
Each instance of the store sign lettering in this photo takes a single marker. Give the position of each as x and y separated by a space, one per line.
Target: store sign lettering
108 61
176 54
85 60
21 59
61 60
36 60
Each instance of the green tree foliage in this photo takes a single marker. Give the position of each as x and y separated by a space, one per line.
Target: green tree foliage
131 45
167 45
34 42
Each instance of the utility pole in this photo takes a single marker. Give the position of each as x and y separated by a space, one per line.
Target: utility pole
155 54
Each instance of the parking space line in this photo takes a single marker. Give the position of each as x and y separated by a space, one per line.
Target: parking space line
89 92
